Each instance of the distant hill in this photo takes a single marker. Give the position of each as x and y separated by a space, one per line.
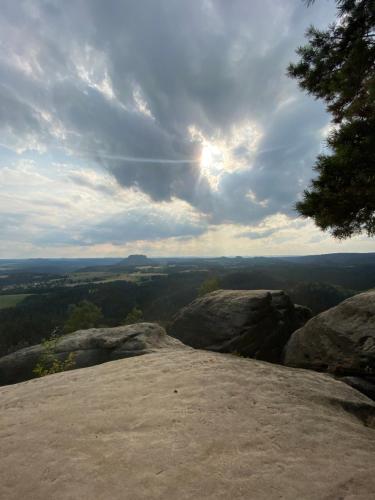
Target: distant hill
61 266
57 265
334 259
163 286
136 260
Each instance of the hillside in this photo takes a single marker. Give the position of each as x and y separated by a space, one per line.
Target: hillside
43 296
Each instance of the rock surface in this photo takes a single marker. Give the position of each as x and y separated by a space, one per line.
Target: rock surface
340 340
366 385
254 323
91 347
189 425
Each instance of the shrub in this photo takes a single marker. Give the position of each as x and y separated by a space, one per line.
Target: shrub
49 363
210 285
134 316
83 316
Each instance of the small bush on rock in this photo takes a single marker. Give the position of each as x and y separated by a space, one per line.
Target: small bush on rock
208 286
49 363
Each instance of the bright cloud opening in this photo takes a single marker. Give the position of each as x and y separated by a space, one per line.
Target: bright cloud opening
227 153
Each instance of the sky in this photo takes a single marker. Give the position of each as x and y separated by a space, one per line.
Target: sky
164 127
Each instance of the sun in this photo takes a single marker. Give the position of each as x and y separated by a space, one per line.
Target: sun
207 157
211 163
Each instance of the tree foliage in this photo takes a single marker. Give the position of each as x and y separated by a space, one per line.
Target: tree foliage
209 285
338 66
49 362
82 316
160 299
134 316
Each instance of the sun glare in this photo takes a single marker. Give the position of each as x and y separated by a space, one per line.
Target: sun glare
221 154
206 157
211 163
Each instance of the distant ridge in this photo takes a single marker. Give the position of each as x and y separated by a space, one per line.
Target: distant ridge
65 265
342 259
136 260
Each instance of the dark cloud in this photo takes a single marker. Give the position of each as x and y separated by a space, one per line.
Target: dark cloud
121 82
258 235
141 224
19 120
124 227
287 152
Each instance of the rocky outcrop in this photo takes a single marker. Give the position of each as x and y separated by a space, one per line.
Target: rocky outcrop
340 340
364 384
254 323
90 347
186 424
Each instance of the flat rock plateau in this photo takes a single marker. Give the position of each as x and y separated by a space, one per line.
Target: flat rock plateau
186 424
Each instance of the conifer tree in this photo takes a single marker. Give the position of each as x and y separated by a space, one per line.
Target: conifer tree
338 66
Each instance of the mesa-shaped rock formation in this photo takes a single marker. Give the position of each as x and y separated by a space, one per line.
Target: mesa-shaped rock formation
254 323
90 347
186 424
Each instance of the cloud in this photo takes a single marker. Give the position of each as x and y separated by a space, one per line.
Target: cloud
88 67
278 226
258 235
84 179
143 224
135 224
124 97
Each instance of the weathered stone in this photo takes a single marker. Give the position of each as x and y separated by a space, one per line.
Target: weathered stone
90 347
185 424
254 323
340 340
364 385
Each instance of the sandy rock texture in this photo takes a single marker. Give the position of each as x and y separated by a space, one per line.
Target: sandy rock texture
90 347
341 340
254 323
185 424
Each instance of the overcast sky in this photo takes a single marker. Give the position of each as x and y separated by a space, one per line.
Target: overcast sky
167 127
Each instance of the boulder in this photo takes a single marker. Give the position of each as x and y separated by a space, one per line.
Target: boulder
366 385
186 424
254 323
90 347
340 340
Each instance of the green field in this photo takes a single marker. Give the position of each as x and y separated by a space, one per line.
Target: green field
12 300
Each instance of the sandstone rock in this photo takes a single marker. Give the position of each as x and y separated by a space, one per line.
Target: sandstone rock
189 425
364 385
340 340
91 347
255 323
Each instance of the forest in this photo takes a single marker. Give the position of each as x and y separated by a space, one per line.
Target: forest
157 289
